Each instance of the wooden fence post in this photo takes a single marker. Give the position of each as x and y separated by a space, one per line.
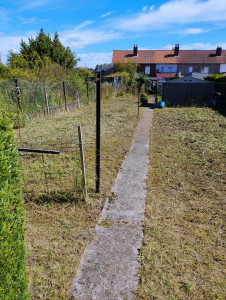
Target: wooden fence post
46 98
17 104
65 98
82 159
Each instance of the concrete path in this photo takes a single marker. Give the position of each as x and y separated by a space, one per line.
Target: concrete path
109 266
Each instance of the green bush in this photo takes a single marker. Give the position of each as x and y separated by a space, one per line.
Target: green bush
12 253
144 98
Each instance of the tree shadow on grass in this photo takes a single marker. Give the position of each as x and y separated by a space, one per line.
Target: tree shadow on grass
54 197
149 105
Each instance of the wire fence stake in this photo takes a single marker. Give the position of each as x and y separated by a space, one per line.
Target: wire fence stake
82 159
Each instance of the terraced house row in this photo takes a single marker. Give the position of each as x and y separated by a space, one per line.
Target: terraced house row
175 62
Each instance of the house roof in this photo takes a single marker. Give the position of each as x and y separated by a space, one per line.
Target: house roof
166 56
159 75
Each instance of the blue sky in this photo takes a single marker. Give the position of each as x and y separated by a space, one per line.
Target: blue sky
93 28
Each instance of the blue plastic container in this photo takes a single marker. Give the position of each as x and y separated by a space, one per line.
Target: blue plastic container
161 104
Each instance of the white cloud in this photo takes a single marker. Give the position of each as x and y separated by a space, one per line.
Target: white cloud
10 43
152 7
175 12
82 25
145 8
35 4
92 59
107 14
193 30
33 20
197 46
77 39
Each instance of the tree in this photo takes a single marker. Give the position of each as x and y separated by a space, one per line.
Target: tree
129 67
35 53
4 72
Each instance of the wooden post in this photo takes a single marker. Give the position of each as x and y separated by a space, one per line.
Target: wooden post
46 98
98 98
77 97
82 159
65 98
17 104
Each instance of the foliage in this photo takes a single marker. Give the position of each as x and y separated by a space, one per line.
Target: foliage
101 66
144 98
4 72
34 54
12 254
216 78
128 67
143 80
81 73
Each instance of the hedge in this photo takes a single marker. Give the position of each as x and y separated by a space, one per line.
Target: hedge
12 252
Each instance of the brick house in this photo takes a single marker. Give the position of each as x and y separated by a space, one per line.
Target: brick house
175 62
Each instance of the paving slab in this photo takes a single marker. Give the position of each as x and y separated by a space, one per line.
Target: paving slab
109 266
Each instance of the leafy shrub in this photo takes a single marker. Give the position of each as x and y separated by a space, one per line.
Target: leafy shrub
216 78
12 254
144 98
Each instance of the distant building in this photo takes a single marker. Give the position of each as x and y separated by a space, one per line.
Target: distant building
175 62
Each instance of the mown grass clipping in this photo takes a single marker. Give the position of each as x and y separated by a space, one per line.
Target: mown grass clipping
12 254
183 256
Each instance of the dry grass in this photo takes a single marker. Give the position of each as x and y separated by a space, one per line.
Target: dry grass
57 232
183 254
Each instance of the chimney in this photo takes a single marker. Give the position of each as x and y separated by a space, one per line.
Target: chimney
135 50
218 51
176 50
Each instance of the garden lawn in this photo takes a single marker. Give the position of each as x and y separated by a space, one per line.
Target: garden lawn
183 254
58 230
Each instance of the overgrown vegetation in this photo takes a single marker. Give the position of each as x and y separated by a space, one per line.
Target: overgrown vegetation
42 64
216 78
58 230
183 253
12 254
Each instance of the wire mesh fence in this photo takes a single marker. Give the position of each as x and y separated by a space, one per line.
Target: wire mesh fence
59 177
36 99
56 177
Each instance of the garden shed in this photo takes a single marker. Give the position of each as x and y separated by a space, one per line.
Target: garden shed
186 91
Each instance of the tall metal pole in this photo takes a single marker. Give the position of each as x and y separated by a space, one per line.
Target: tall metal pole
98 98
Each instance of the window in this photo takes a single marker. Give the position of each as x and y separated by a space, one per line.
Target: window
162 70
189 70
169 69
147 70
146 56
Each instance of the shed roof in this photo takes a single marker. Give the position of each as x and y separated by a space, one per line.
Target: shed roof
189 79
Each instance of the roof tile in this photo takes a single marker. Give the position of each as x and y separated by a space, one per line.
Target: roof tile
166 56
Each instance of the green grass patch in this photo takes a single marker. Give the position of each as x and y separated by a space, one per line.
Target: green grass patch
183 252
